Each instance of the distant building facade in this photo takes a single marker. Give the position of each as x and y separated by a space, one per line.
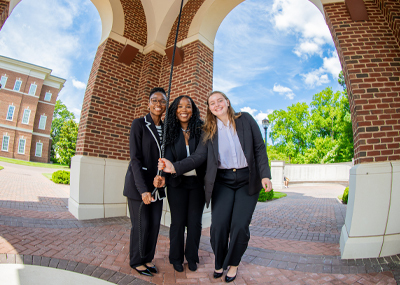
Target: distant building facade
27 98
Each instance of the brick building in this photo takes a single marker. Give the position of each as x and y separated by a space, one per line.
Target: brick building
27 98
134 55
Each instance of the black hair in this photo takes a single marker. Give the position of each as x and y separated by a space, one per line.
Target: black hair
174 126
157 89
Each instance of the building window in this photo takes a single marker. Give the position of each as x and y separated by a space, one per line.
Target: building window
10 113
32 89
3 81
4 145
21 146
47 96
42 122
25 117
17 85
39 147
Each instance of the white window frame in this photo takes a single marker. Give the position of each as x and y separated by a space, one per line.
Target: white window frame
10 107
26 116
19 146
47 95
2 143
15 85
42 122
39 146
32 89
3 81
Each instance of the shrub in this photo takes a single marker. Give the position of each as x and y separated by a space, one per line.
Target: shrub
61 177
345 196
264 196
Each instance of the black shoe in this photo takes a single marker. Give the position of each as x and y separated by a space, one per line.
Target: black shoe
218 274
152 269
178 267
230 279
192 266
145 272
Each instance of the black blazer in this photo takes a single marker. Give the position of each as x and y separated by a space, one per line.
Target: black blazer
176 152
145 150
253 148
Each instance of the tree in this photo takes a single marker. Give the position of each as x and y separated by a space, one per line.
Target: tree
66 144
60 116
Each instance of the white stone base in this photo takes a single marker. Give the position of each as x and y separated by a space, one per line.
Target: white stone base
372 224
96 190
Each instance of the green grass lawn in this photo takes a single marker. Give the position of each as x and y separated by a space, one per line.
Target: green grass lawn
48 175
37 164
278 195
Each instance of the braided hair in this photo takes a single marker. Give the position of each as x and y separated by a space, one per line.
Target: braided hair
174 126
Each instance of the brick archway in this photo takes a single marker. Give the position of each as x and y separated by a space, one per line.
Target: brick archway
369 52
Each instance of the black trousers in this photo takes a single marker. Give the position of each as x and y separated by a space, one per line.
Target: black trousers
150 225
231 211
186 203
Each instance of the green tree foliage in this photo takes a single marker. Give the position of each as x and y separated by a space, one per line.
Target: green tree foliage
319 133
66 144
60 116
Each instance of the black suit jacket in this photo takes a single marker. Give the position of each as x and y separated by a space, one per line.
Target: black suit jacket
145 150
176 152
253 148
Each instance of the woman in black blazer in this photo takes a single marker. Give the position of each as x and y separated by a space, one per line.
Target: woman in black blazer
185 193
145 150
237 169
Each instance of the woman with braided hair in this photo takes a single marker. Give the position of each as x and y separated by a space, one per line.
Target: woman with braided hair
185 193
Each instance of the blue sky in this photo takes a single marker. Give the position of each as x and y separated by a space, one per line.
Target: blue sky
269 54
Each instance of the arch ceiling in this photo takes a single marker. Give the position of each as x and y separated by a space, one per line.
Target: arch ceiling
161 15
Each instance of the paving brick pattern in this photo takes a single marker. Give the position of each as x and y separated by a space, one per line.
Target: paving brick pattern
294 240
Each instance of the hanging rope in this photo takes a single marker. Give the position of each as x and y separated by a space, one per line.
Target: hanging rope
164 130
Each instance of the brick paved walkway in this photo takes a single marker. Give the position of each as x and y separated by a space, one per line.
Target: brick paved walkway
295 240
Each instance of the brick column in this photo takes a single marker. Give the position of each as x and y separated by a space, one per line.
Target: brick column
370 56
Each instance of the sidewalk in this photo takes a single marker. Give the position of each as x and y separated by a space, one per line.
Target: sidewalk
294 240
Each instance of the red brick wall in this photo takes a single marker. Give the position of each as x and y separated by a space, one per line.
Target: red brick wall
28 139
188 13
11 134
45 149
135 21
109 104
391 11
149 78
370 56
3 12
193 77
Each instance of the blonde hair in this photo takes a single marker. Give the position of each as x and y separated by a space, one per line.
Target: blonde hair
210 125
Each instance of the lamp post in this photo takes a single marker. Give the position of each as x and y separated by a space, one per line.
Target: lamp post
265 124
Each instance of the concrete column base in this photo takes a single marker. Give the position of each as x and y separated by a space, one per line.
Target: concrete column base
277 168
372 224
96 190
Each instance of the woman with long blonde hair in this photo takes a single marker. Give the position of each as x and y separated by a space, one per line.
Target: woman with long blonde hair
237 169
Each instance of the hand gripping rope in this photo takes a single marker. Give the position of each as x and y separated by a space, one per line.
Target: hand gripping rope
155 191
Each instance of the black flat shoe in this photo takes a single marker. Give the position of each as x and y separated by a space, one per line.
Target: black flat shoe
192 266
178 267
218 274
145 272
152 269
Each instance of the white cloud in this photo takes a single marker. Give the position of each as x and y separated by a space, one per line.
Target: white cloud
332 65
316 77
257 115
319 76
224 85
303 18
284 91
78 84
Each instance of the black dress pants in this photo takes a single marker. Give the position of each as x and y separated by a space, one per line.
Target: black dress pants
186 203
231 211
150 225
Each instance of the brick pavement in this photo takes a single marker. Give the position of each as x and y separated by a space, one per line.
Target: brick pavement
294 239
